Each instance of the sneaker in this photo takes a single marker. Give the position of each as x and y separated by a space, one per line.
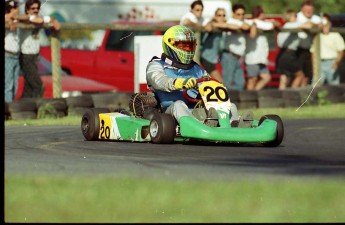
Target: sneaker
246 120
234 123
212 117
200 114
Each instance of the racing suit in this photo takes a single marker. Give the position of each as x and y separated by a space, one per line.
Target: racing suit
161 74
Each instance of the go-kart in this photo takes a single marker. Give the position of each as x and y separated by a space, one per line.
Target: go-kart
151 125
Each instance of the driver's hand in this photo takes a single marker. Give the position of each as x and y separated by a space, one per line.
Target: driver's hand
188 83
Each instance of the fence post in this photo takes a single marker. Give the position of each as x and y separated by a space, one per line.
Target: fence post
56 64
316 59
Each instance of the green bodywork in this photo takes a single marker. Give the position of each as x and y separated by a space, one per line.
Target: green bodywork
137 129
191 128
132 128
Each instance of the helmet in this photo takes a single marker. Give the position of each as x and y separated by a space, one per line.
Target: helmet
179 43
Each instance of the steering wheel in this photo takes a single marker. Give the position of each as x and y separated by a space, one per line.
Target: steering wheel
194 91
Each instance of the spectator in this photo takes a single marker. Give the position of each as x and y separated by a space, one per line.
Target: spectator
234 49
256 56
30 47
194 18
331 53
211 44
12 68
304 56
174 71
287 62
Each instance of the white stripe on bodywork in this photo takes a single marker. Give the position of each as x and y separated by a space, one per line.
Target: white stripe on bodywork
116 131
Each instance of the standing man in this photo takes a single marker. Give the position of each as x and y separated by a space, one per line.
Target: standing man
30 48
11 51
287 62
194 18
211 43
306 15
234 49
332 51
257 50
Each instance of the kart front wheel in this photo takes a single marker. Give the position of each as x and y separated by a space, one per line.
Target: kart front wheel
162 128
90 123
280 130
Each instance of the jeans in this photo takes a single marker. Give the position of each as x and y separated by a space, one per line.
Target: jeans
12 70
328 74
232 72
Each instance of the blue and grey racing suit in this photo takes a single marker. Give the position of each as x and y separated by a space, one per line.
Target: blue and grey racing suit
160 76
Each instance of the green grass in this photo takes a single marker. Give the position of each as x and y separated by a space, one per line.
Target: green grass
324 111
123 199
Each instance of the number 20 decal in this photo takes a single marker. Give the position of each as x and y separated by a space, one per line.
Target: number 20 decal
216 91
105 131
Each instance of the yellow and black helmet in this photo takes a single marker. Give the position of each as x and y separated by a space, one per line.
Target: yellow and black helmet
179 43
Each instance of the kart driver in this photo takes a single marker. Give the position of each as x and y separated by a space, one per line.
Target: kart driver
174 71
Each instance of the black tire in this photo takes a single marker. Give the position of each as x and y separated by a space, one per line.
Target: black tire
106 100
234 95
280 130
79 101
248 96
162 128
58 103
23 115
77 111
22 106
90 123
268 102
149 113
270 93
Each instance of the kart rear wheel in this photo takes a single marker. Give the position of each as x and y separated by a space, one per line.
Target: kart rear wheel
280 130
162 128
90 123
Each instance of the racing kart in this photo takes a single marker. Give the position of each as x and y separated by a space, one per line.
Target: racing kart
146 123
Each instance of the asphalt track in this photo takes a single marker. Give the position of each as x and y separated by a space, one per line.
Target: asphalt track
311 147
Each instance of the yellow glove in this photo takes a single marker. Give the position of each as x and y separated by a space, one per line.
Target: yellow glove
188 83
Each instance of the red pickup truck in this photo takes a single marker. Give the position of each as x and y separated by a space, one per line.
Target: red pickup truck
113 61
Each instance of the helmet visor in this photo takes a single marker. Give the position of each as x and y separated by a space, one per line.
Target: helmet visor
188 46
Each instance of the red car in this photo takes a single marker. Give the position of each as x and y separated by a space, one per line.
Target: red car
113 60
71 85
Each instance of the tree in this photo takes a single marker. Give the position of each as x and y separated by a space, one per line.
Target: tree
279 7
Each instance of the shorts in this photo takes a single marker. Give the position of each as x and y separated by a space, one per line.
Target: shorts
287 62
209 67
304 59
254 70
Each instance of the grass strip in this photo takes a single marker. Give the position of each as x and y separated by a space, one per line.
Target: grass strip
124 199
312 112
